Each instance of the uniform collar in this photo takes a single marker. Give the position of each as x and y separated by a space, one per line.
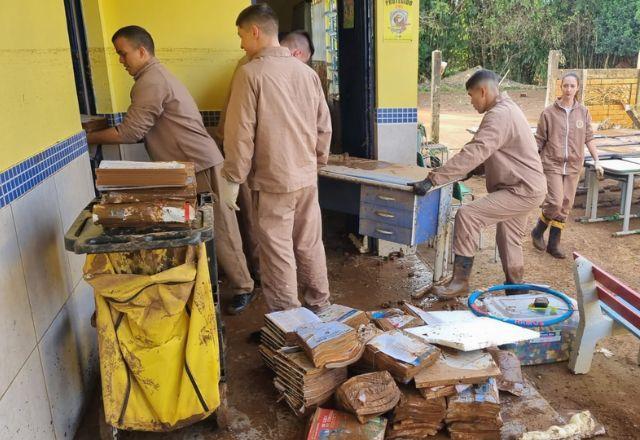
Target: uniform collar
557 104
502 96
152 62
273 52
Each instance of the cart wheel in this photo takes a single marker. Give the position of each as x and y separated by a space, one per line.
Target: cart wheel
222 413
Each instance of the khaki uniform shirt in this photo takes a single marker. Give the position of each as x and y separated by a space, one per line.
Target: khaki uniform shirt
506 147
277 129
164 114
561 137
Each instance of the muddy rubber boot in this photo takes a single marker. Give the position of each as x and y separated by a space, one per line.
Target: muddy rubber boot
553 246
515 275
459 283
537 235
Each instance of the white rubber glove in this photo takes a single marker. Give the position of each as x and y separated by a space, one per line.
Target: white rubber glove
599 170
229 194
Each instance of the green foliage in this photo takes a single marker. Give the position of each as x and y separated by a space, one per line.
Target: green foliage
516 35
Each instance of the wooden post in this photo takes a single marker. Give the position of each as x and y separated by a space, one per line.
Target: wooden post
637 103
436 66
552 74
583 86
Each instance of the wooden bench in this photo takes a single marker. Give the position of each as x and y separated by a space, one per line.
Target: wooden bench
607 306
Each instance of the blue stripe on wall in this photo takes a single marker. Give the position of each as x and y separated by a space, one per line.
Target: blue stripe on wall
26 175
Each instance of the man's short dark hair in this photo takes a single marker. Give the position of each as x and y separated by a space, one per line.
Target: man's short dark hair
136 35
481 76
298 36
262 15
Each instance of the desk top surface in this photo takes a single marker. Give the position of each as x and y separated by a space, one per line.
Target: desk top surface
617 166
373 172
633 160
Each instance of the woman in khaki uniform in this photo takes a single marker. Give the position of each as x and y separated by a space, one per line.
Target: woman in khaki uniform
563 130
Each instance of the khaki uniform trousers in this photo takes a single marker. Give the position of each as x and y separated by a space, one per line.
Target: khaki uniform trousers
248 229
509 213
561 191
226 234
292 254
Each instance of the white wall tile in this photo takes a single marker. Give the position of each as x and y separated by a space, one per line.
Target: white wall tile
397 143
80 307
135 152
44 259
16 326
24 408
74 186
63 375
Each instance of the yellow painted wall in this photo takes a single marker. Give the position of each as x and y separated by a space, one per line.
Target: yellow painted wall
195 39
396 63
38 103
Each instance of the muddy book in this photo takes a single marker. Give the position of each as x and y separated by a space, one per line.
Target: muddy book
390 319
332 344
400 353
440 391
122 174
145 214
347 315
329 424
458 367
281 326
368 395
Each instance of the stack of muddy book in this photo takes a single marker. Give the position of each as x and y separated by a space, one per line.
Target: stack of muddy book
416 417
453 370
309 356
145 194
474 413
301 384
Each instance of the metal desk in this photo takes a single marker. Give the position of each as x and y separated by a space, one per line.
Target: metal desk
386 207
623 171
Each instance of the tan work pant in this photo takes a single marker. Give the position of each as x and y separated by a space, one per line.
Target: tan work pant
248 229
561 191
291 250
509 213
226 234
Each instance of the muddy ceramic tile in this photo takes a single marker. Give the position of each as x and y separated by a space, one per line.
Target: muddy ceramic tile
44 259
16 325
24 408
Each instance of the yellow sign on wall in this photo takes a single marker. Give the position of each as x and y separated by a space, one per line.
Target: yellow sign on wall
399 18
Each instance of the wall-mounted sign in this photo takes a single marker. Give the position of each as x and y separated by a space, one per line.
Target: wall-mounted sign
399 18
349 17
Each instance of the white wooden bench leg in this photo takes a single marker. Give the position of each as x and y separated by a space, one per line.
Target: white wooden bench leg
585 344
594 325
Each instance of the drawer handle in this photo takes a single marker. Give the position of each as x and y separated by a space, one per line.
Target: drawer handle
387 198
384 231
385 214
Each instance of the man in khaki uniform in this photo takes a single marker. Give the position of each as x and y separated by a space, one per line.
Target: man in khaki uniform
277 132
505 147
163 113
301 47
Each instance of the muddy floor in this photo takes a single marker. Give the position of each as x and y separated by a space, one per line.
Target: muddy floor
610 390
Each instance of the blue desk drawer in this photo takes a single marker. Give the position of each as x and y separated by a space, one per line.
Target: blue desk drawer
391 198
388 215
386 231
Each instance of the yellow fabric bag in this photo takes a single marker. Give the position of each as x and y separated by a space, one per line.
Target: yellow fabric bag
157 337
